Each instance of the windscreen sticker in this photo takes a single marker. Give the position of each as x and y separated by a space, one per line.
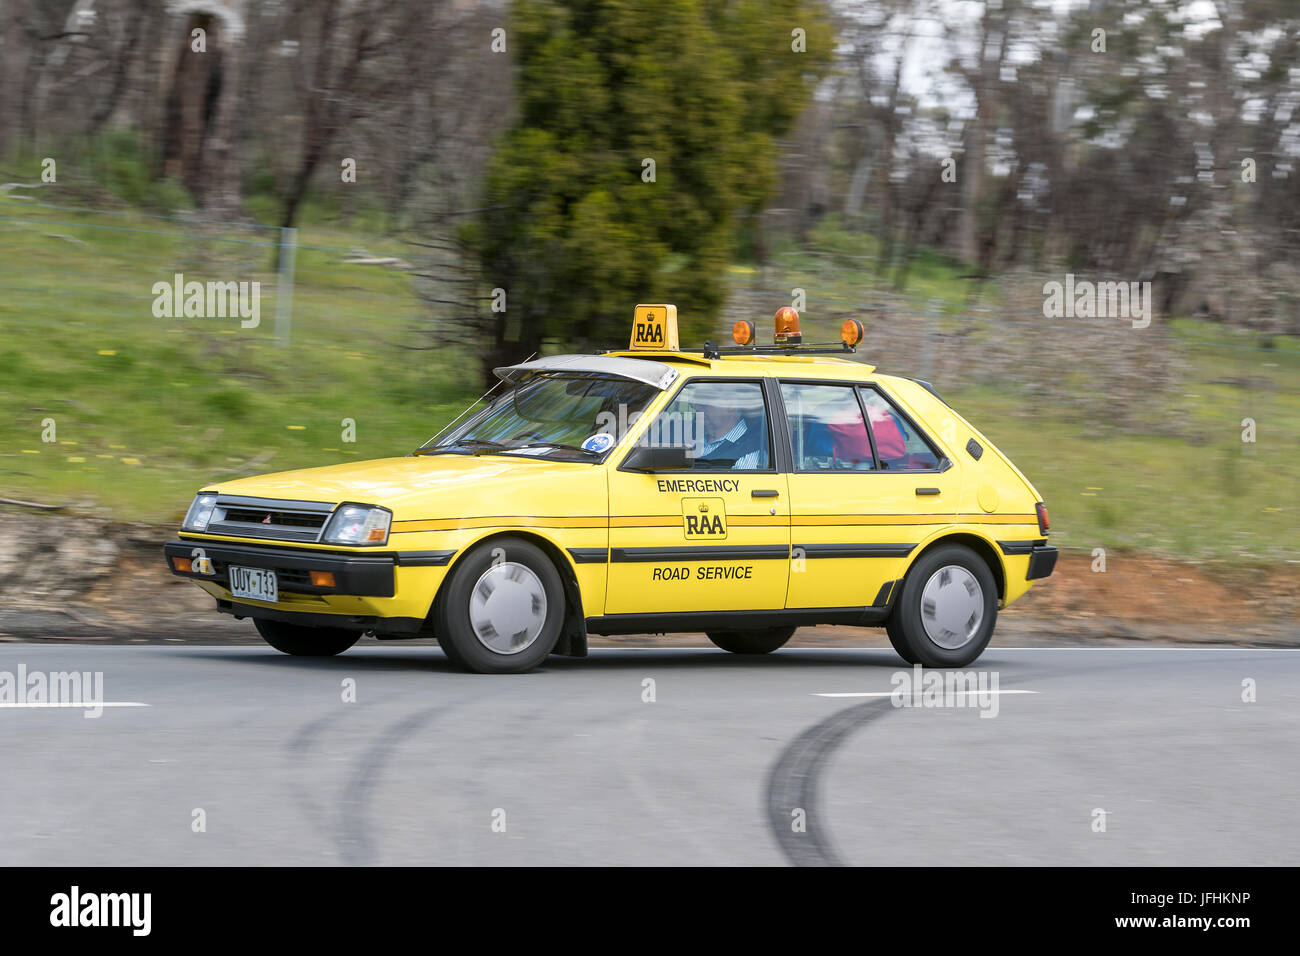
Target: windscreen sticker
599 442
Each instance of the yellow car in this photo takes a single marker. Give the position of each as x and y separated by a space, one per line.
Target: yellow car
742 491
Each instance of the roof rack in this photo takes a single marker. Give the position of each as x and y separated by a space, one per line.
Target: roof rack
712 350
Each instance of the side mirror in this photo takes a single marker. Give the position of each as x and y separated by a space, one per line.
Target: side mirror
658 458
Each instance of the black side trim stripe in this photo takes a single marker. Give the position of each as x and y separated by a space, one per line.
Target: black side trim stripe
1010 548
856 550
425 559
703 553
589 555
677 622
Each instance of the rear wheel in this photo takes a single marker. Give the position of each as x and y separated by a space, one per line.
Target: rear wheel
754 640
895 632
301 640
945 614
502 608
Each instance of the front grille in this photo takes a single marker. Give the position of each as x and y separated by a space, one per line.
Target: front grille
295 519
269 518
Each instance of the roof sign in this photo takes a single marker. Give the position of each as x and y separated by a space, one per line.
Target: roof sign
654 327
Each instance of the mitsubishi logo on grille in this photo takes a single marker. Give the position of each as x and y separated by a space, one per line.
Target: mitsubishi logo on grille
266 520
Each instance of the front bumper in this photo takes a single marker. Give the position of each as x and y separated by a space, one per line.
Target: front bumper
387 592
361 575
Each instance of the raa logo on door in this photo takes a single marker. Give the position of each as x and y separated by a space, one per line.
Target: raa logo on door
704 518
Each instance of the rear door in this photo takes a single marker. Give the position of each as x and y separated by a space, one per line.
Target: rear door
715 537
867 486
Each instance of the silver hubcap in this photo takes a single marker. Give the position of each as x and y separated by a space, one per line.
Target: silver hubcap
952 607
507 608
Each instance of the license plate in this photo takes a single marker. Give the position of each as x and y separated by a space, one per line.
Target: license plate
256 583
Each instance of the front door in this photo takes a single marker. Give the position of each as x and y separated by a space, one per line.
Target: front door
715 537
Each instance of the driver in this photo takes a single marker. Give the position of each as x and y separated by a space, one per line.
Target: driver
733 440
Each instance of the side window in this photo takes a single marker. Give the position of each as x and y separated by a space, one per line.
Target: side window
826 428
724 424
899 446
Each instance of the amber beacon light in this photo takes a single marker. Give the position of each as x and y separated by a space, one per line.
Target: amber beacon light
742 333
786 326
851 332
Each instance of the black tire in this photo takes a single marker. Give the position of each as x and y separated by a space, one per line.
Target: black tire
895 632
925 634
457 634
303 641
753 640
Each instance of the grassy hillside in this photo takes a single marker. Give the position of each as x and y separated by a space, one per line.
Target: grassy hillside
148 409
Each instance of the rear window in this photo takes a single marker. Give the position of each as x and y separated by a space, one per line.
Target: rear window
899 446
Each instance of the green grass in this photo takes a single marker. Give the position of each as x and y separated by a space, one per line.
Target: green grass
146 410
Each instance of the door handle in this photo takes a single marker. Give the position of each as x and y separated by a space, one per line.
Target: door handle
765 493
927 491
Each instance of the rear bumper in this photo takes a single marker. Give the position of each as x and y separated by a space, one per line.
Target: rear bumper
1042 561
1042 556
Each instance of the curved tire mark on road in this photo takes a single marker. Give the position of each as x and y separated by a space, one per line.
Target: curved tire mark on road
795 778
354 836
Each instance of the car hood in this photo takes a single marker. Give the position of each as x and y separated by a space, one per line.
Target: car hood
420 486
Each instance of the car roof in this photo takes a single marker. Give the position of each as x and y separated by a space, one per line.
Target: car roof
657 374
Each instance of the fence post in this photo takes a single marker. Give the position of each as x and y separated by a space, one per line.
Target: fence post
284 287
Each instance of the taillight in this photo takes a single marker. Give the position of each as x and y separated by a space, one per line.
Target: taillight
1043 522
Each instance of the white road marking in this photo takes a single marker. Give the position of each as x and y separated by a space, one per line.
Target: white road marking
961 693
89 703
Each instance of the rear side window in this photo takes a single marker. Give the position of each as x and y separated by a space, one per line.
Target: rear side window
827 431
899 446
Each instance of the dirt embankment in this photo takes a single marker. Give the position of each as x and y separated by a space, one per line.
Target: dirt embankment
68 578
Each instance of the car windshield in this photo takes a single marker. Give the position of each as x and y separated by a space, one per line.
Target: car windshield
577 416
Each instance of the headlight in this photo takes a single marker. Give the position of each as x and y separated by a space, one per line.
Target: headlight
358 525
200 513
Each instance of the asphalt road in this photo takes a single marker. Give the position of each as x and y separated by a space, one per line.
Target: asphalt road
572 765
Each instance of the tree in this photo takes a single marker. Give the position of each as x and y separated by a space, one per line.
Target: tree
643 133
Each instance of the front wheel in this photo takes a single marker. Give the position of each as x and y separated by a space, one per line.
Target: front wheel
946 611
304 641
502 608
754 640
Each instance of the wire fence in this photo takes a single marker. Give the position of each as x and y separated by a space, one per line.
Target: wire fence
156 274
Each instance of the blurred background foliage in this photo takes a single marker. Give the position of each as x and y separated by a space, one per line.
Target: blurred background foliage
645 133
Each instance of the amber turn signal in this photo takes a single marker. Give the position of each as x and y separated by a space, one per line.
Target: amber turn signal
786 326
852 332
183 564
322 579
